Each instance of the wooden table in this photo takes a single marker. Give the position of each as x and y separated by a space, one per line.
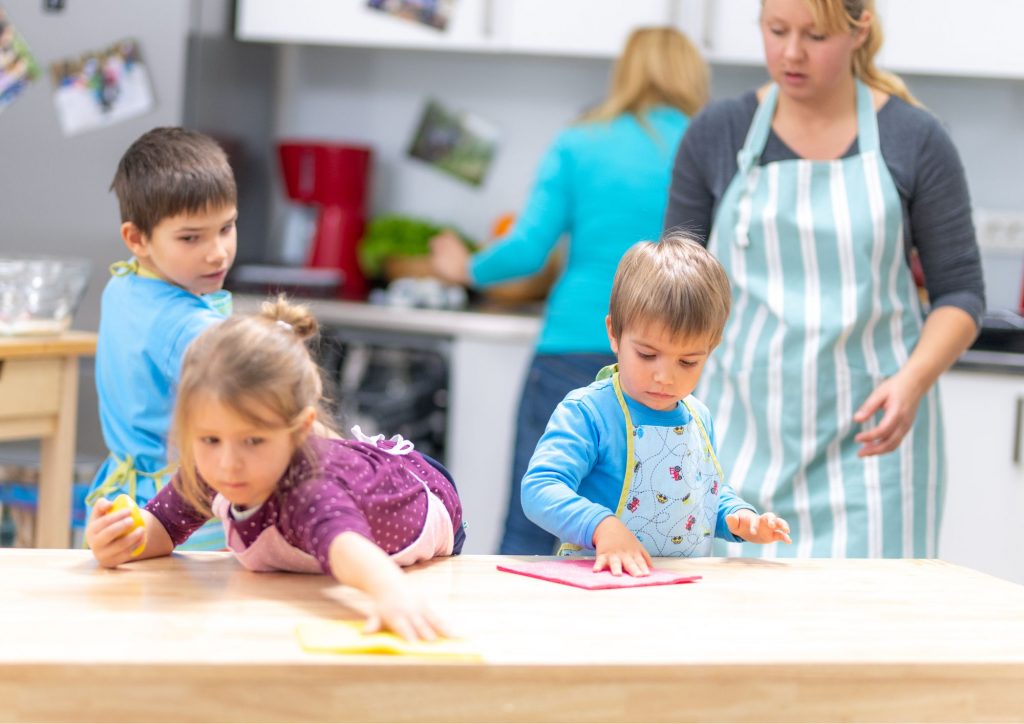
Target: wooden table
193 637
39 399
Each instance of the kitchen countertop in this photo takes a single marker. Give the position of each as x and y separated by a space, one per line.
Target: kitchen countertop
494 323
523 325
194 637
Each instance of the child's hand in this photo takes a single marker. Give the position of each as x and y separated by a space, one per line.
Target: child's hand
618 549
404 613
112 536
766 528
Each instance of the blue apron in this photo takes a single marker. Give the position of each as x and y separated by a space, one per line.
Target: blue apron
824 309
122 474
670 491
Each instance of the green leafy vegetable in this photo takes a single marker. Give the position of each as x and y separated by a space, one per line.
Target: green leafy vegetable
394 235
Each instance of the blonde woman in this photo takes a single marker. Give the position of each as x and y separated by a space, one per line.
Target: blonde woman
604 183
814 192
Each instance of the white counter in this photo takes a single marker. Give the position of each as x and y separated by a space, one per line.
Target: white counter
489 354
482 325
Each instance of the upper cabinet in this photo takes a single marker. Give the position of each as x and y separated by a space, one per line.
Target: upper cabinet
551 27
936 37
351 22
572 27
726 31
949 37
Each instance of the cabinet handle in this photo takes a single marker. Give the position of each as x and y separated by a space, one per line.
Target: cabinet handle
488 19
1016 429
708 29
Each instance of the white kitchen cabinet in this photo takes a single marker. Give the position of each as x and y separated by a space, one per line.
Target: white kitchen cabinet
929 37
947 37
726 31
560 27
984 511
351 22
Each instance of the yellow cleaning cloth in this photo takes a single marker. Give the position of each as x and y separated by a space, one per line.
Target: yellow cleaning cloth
347 637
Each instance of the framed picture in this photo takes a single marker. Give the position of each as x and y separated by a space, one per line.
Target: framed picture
458 143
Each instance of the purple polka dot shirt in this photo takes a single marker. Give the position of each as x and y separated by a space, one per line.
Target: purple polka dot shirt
352 486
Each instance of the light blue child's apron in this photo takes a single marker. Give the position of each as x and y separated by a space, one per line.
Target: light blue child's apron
670 490
141 485
824 309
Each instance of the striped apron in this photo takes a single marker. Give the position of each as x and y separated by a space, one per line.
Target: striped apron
824 309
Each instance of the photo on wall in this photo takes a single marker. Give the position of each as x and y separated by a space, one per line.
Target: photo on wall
432 13
461 144
17 66
99 88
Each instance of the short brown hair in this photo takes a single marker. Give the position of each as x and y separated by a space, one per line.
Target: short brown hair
168 171
676 282
248 362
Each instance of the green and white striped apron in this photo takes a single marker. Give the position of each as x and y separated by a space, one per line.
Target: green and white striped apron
824 309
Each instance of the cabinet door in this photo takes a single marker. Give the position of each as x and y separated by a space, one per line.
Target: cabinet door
351 22
572 27
727 31
984 509
948 37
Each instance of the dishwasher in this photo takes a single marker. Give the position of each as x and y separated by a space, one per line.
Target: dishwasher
388 383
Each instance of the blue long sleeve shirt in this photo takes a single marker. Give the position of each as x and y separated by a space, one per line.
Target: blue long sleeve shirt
576 474
606 186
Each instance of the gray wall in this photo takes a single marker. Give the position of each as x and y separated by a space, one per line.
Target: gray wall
53 190
375 96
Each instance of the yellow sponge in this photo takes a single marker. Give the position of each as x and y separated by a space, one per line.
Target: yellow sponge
124 502
347 637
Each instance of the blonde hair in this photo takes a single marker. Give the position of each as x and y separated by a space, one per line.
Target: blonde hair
659 66
676 282
251 364
840 16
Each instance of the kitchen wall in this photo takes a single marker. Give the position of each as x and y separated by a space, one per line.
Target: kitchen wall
54 196
375 96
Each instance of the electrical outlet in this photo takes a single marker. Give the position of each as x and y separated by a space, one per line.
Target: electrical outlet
999 230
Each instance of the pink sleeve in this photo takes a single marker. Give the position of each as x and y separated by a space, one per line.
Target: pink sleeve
178 518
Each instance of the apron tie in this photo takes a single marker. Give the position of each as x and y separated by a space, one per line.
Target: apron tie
125 475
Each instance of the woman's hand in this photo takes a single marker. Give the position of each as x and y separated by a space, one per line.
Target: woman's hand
754 528
449 258
899 397
618 549
112 536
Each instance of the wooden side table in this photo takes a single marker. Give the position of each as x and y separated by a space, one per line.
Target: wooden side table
39 399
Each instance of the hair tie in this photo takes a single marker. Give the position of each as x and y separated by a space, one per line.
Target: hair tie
284 324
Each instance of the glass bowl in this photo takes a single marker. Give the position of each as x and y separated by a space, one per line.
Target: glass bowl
39 295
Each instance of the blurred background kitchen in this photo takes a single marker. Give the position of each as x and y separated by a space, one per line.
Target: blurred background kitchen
364 82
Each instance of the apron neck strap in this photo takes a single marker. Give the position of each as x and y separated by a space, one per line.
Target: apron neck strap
761 126
867 120
757 134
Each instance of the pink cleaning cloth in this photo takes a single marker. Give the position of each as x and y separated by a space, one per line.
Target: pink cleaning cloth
580 573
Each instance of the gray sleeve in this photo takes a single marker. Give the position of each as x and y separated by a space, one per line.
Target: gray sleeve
939 210
706 163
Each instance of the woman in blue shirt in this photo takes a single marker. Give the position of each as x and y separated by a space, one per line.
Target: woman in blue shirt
604 182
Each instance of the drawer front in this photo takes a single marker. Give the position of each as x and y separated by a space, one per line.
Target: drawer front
29 387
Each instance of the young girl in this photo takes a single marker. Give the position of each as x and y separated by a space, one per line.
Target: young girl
290 499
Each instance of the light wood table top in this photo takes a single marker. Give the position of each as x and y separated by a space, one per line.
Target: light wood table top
194 637
72 342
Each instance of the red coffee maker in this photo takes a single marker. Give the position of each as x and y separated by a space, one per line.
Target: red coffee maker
335 178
